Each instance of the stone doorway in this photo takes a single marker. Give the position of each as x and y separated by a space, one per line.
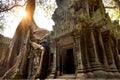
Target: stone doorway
69 66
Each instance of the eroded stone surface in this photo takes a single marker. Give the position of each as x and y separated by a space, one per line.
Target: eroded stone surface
4 44
85 28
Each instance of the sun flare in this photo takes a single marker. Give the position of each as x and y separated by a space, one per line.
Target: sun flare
23 13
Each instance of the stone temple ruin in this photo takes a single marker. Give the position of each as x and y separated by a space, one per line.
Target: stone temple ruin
82 43
4 43
81 46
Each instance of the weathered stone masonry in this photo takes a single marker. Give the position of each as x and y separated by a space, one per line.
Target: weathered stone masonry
83 43
4 44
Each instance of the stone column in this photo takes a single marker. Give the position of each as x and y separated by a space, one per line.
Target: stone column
112 65
80 74
92 50
53 72
102 54
57 57
75 57
62 61
95 63
116 53
103 50
87 64
109 54
115 57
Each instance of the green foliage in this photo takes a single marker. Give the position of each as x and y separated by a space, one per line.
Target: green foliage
48 6
111 2
114 13
117 13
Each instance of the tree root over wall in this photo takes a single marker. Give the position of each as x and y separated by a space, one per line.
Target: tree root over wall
16 63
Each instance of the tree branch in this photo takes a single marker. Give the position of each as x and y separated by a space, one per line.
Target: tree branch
9 8
109 7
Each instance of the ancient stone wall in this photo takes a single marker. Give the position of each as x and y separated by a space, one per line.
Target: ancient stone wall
4 43
93 37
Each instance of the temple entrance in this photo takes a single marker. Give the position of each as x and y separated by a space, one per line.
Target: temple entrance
69 67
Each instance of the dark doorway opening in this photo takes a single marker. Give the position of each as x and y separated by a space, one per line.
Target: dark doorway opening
119 51
69 62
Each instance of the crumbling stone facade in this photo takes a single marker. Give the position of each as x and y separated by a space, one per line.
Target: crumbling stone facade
117 33
84 45
81 46
4 44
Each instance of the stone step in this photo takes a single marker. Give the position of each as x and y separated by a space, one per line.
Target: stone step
66 76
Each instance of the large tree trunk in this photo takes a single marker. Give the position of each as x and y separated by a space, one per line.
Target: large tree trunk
15 62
